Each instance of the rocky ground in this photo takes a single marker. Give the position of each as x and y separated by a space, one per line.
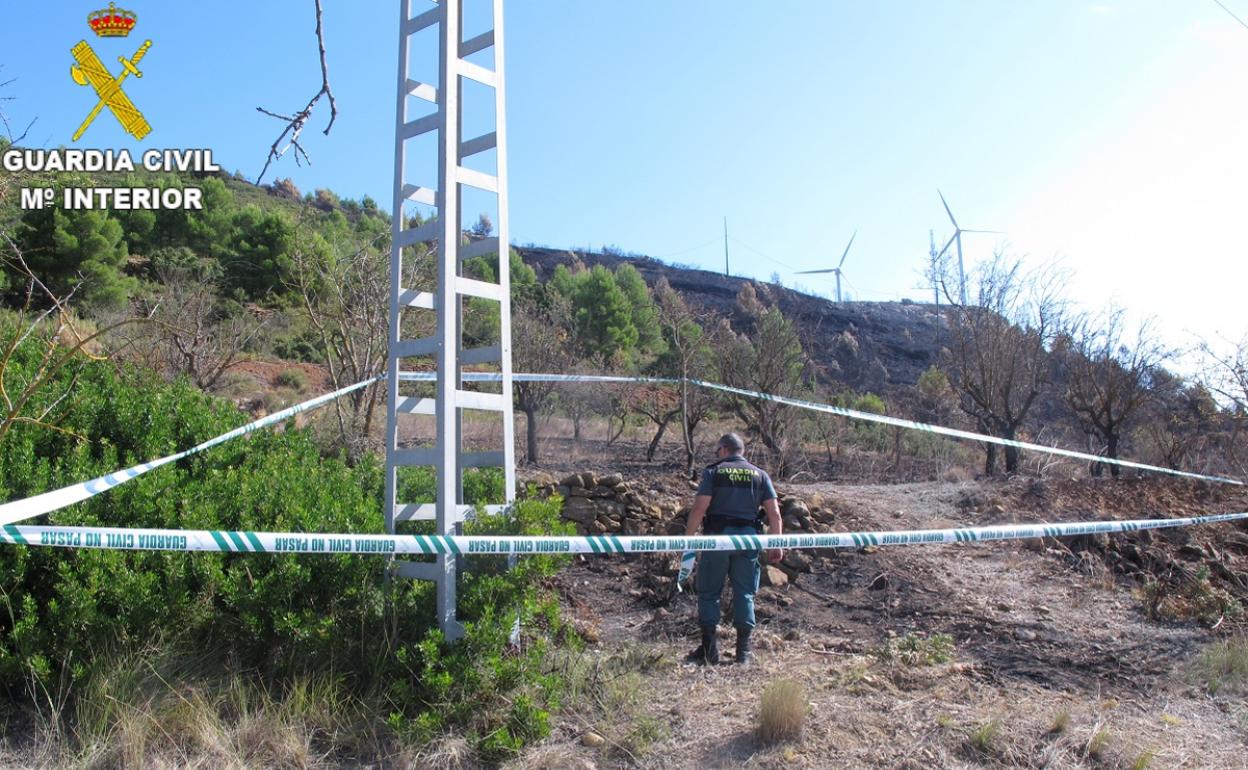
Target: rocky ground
1079 652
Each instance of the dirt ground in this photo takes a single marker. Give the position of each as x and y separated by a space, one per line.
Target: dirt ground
1058 658
1055 661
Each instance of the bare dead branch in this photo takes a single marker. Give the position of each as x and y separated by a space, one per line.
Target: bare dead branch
4 119
295 123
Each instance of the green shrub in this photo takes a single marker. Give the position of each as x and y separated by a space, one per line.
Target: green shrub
295 379
67 615
915 649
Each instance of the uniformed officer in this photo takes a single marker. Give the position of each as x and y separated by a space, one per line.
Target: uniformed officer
729 498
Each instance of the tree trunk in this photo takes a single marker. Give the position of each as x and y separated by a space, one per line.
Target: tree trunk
1012 453
990 459
530 432
686 434
654 442
1111 451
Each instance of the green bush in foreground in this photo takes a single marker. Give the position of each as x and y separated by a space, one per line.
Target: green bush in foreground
67 615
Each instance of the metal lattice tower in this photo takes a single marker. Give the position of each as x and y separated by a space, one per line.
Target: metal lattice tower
442 236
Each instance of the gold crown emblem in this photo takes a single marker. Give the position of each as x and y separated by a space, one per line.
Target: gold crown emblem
112 21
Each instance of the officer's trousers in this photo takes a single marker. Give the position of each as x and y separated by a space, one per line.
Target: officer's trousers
742 567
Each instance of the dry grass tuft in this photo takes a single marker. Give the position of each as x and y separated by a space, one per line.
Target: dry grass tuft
450 752
1098 743
1144 760
1222 666
983 738
1060 723
782 714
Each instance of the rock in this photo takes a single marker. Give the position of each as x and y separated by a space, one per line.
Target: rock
611 479
571 481
796 560
794 507
563 491
595 527
1191 552
791 523
774 577
1043 610
578 492
587 480
1004 607
542 479
1024 635
579 509
593 740
792 635
784 600
601 491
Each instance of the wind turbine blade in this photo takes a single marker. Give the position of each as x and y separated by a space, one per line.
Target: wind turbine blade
846 254
991 232
813 272
947 245
947 211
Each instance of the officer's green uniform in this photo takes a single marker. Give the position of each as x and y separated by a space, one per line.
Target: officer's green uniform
737 489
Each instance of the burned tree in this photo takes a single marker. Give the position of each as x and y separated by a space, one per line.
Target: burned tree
771 362
998 351
344 293
1109 377
539 341
690 337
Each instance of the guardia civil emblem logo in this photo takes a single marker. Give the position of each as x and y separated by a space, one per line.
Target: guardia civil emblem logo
110 23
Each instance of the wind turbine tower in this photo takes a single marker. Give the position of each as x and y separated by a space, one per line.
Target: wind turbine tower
836 270
957 237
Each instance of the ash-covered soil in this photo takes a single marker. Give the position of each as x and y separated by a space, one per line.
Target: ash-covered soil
1065 653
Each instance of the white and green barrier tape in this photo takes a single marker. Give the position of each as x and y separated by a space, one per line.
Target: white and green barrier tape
47 502
225 541
19 510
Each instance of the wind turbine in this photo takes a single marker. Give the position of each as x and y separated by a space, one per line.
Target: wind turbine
957 236
837 269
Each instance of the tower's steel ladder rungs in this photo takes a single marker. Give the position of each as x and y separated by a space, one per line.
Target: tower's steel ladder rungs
479 248
416 194
483 289
411 236
478 144
421 90
415 298
476 44
426 19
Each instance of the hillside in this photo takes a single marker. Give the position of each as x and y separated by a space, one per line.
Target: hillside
893 342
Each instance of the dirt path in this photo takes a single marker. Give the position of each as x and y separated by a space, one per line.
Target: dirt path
1054 664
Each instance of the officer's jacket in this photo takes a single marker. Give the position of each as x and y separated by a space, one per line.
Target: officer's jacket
737 488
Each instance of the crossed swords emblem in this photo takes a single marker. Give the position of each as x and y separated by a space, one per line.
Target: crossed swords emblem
91 71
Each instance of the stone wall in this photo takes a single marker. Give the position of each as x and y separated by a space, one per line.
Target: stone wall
607 504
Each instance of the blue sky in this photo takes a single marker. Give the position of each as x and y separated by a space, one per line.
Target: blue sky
1111 135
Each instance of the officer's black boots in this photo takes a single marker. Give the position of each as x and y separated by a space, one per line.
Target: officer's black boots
708 651
745 655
